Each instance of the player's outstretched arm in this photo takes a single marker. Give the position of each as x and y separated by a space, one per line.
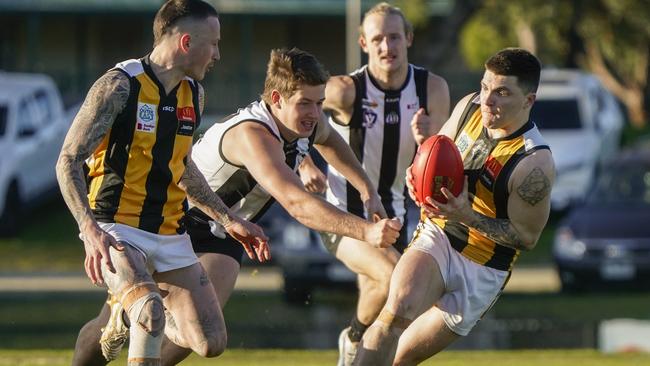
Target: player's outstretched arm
338 154
250 235
104 101
253 146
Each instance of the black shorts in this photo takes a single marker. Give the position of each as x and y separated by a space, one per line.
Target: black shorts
203 241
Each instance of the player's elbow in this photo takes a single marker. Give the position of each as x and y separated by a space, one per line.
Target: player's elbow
528 242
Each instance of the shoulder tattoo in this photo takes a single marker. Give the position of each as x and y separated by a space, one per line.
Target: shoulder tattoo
535 187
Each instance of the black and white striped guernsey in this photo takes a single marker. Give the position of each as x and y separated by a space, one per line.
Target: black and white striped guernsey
234 184
380 135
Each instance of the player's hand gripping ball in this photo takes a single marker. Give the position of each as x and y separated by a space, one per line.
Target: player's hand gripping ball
437 164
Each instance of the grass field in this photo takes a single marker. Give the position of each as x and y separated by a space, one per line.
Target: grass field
240 357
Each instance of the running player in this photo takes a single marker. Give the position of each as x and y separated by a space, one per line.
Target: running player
251 158
135 130
382 110
463 251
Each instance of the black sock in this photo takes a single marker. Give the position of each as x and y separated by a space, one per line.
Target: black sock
356 329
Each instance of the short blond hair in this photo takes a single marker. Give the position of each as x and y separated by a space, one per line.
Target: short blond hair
289 69
386 9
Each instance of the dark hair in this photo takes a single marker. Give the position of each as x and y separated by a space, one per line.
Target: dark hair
174 10
517 62
289 69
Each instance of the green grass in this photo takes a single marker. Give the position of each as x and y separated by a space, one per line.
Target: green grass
241 357
48 242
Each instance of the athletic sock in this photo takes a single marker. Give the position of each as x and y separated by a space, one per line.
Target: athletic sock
356 329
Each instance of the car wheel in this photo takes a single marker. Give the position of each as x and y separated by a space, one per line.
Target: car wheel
10 218
296 292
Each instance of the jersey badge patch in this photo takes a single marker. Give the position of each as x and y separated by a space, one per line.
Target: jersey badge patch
369 118
146 117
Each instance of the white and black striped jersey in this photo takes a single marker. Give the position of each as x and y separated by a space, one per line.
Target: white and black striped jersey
380 135
234 184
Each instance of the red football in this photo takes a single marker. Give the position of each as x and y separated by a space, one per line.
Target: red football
437 164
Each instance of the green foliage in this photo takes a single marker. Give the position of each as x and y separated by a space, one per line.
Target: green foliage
416 11
620 30
479 40
499 24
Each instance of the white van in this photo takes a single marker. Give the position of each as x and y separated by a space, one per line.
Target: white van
33 124
582 123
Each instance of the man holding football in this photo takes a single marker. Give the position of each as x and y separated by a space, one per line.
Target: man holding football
383 111
463 251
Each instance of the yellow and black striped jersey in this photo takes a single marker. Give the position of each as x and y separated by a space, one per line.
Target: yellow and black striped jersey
488 163
134 173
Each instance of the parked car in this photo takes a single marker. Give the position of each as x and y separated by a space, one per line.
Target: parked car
582 123
33 124
606 240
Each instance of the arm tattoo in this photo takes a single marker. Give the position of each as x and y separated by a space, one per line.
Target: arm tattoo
201 195
201 98
105 100
535 187
499 230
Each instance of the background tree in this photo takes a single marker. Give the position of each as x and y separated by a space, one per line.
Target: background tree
610 38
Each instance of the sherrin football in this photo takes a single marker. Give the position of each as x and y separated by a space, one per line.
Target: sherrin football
437 164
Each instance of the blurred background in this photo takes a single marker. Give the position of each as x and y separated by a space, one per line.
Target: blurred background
586 280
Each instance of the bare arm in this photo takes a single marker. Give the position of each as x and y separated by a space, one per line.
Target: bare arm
339 99
199 193
338 154
424 125
528 205
243 144
105 100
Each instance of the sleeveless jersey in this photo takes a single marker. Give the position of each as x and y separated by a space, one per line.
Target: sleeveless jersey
234 184
134 172
380 136
488 164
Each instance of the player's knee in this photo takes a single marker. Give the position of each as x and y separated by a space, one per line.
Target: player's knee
211 346
144 306
151 316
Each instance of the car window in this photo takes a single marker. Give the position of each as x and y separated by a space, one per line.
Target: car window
27 125
556 114
42 107
3 119
623 184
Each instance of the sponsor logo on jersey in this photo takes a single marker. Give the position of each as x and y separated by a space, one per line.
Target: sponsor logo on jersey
415 105
369 118
168 108
186 114
185 128
463 142
491 170
146 117
392 118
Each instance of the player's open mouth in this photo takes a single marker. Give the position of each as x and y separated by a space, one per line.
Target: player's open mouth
308 124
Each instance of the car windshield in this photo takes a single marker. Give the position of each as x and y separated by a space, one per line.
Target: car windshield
556 114
622 184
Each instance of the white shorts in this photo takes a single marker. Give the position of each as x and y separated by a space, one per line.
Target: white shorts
470 288
162 253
